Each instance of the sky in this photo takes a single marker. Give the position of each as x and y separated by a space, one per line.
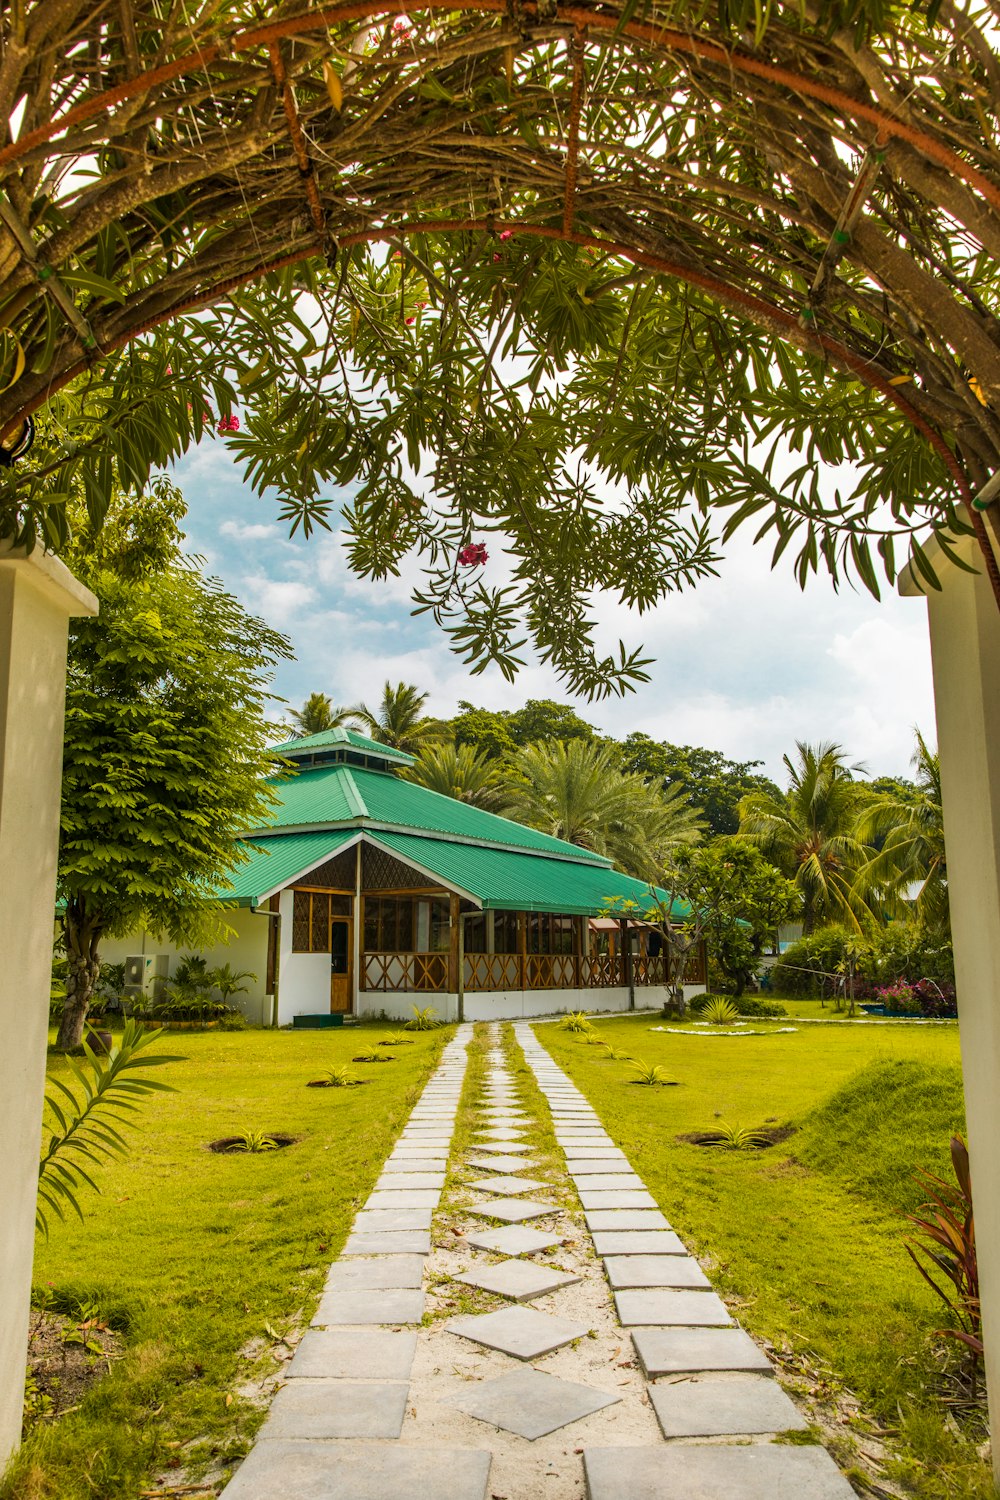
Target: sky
745 663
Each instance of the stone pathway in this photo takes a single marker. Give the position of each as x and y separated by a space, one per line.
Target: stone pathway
495 1364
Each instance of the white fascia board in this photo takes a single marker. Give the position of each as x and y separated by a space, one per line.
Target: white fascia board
314 865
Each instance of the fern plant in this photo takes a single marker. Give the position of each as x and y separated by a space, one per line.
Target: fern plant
423 1020
651 1073
90 1118
720 1011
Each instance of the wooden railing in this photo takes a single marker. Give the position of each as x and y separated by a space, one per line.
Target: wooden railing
406 972
429 972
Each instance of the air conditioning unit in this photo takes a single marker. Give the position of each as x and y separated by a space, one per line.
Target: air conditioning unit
146 975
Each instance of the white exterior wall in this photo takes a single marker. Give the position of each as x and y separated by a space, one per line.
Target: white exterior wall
38 595
510 1005
303 978
246 949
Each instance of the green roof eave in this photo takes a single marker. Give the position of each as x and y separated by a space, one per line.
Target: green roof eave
275 862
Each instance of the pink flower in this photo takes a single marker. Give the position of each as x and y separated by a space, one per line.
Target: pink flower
229 424
473 555
409 321
506 234
497 256
402 28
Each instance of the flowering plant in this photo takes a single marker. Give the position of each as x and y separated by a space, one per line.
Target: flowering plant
228 424
473 554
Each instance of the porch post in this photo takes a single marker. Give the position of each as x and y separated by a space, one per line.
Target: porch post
38 597
359 917
522 948
456 906
965 648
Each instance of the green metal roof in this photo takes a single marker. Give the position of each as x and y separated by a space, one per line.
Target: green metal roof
319 795
275 862
507 880
332 739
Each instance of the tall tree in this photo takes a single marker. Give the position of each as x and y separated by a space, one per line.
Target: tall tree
318 713
712 784
907 828
542 719
399 720
166 746
461 772
809 833
577 792
486 729
743 898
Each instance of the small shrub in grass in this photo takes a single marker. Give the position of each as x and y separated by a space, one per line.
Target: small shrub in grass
720 1011
734 1137
373 1055
423 1020
576 1020
338 1078
396 1040
614 1054
652 1074
746 1005
945 1254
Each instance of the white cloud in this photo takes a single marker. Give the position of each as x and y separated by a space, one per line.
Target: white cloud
280 601
248 531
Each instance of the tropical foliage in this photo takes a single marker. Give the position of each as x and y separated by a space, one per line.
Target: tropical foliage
809 833
742 900
652 306
906 829
318 714
462 772
575 791
399 720
165 749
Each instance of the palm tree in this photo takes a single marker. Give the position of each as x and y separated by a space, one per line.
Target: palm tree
318 714
908 832
399 720
809 833
460 771
577 792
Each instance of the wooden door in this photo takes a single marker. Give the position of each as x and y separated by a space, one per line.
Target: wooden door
341 953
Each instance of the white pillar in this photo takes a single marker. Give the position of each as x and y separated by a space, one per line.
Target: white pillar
38 595
965 647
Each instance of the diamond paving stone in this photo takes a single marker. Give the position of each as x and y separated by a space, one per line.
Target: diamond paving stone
638 1242
616 1198
513 1239
520 1280
371 1219
755 1471
522 1332
671 1308
389 1242
505 1186
513 1210
724 1406
624 1218
654 1270
337 1409
684 1351
359 1471
530 1403
379 1271
496 1163
368 1354
381 1305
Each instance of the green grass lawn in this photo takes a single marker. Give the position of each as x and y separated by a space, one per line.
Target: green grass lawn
205 1261
806 1239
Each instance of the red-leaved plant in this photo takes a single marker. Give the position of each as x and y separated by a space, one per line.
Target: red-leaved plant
948 1248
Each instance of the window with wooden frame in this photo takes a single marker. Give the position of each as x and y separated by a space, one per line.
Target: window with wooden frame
388 924
312 913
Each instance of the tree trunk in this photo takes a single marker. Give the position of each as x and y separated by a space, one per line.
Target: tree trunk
82 937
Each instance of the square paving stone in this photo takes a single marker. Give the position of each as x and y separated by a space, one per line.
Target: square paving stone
359 1471
670 1308
591 1166
638 1242
379 1305
522 1332
756 1471
337 1409
403 1198
403 1157
686 1351
371 1219
530 1402
520 1280
613 1198
389 1242
408 1180
654 1270
513 1239
608 1182
497 1163
623 1218
379 1271
724 1406
514 1210
504 1186
368 1354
